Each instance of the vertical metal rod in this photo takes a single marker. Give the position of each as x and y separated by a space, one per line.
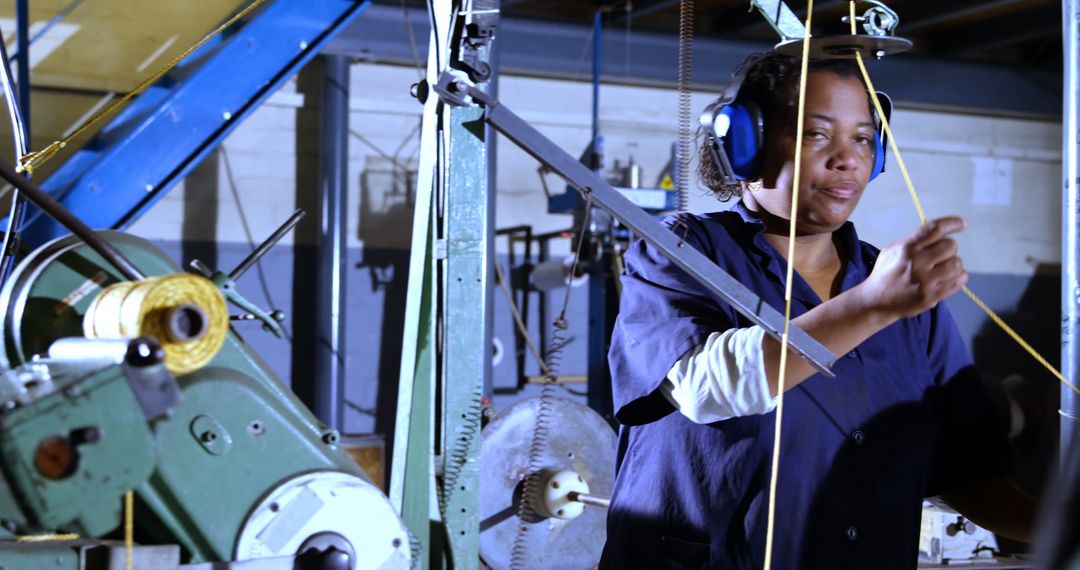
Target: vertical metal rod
329 385
1070 224
59 17
598 20
492 142
9 246
22 41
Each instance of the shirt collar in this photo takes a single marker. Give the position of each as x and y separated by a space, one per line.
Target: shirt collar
847 242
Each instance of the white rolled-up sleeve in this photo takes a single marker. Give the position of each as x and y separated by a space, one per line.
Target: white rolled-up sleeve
722 378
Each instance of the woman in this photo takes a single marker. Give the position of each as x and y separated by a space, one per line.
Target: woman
695 383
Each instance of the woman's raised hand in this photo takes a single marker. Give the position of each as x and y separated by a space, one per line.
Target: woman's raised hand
915 273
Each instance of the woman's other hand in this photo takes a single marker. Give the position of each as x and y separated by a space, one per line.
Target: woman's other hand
915 273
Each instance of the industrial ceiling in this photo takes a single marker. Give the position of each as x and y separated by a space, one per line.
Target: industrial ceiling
985 56
1025 32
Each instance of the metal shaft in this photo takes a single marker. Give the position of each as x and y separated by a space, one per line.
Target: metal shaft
594 500
266 245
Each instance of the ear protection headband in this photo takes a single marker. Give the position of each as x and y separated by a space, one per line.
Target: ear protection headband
735 133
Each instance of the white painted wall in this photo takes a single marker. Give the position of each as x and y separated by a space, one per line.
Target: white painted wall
1002 174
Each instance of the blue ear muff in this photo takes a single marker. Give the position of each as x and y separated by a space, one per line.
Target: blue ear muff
879 157
879 135
743 137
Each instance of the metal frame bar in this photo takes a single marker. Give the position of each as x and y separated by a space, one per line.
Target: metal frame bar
412 474
465 309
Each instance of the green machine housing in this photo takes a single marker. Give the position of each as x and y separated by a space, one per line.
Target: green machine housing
226 464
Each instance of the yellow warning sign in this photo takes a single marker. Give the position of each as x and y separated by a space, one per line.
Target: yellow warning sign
667 183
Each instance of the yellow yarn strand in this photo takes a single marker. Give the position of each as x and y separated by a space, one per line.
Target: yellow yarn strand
129 528
922 218
885 122
46 537
800 120
32 160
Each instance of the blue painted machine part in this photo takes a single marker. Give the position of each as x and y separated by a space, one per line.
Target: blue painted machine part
167 130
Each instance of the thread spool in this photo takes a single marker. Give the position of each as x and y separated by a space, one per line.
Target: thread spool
185 313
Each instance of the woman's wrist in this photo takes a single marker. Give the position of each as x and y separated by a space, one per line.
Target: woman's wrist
864 307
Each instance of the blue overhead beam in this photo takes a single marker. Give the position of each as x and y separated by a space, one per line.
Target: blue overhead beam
167 130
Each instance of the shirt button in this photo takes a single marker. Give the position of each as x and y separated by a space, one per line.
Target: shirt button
851 533
852 354
858 437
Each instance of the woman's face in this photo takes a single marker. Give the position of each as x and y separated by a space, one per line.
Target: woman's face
837 156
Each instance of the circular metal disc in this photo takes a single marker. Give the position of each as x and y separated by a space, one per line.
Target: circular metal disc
841 46
326 503
579 440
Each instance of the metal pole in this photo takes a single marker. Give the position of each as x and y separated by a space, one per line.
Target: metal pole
598 28
492 142
22 42
329 385
1070 225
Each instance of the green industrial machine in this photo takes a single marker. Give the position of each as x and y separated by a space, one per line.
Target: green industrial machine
227 467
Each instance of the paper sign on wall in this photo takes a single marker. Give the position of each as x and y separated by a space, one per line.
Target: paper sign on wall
992 181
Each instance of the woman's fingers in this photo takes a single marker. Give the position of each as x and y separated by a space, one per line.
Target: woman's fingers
933 231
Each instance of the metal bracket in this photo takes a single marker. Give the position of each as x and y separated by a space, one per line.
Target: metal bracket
781 18
155 389
480 22
227 283
643 225
879 22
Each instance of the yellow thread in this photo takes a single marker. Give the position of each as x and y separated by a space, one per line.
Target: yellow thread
32 160
129 527
769 530
46 537
143 308
922 218
885 125
1016 336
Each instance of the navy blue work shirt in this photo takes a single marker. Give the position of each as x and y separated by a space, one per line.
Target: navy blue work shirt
905 418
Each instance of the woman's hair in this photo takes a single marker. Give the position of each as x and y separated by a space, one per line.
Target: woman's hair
772 81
